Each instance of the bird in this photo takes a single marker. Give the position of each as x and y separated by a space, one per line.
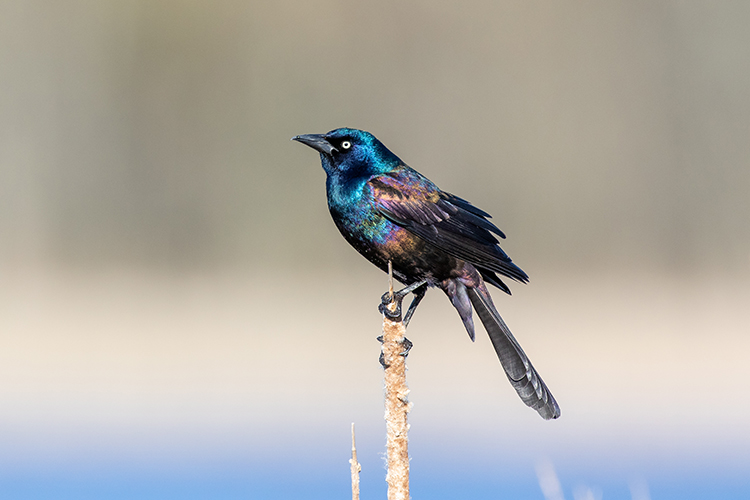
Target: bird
393 215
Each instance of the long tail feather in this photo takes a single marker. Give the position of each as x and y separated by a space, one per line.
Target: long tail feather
521 373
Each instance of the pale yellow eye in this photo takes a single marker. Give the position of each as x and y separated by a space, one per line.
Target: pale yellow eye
346 145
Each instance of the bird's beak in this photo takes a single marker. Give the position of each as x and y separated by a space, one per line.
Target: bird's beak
317 142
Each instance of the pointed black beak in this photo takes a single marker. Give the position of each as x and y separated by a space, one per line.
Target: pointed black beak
317 142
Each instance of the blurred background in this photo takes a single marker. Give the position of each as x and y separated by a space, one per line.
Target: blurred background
179 318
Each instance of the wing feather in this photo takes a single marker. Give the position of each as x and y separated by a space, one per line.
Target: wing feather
452 224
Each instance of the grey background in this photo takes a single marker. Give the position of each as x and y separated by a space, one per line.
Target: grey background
156 132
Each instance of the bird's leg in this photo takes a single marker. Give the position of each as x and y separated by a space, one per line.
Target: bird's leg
419 293
407 290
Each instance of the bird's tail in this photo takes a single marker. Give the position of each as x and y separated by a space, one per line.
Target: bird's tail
521 373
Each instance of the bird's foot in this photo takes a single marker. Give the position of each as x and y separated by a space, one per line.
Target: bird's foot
407 345
390 298
386 301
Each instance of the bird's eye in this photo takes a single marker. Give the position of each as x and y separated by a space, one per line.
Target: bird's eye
346 145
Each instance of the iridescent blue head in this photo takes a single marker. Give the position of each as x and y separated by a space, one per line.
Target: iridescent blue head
351 152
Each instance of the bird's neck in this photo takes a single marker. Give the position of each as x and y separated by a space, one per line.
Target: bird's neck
345 192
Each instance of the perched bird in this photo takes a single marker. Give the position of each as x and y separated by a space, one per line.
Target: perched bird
390 212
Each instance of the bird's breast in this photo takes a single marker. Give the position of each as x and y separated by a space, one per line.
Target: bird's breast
355 213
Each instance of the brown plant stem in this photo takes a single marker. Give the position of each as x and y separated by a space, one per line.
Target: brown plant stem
356 468
397 404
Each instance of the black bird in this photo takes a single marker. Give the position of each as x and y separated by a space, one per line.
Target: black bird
390 212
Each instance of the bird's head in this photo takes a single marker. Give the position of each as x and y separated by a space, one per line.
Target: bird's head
351 152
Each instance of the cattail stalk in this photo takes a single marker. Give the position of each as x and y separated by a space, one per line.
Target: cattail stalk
356 468
397 405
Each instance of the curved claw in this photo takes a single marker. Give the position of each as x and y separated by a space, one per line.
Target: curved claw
408 344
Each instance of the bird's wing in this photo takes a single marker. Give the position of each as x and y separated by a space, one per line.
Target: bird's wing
452 224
